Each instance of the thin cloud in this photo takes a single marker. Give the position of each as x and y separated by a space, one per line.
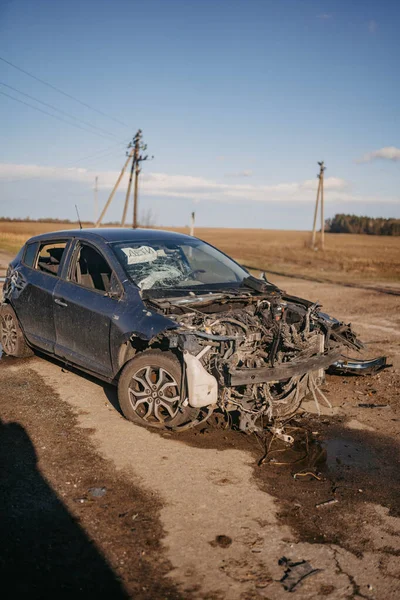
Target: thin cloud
245 173
325 16
372 26
387 153
196 189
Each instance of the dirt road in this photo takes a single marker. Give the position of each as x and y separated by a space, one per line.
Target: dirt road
193 515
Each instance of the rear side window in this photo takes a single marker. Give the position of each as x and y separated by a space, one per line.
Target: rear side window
50 257
30 254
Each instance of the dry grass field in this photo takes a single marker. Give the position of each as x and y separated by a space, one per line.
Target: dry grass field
346 258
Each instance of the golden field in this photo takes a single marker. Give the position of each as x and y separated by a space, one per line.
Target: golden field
347 258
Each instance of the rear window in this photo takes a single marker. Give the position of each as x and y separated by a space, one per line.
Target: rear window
50 257
30 254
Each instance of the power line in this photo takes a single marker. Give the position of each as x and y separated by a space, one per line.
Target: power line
54 116
99 154
63 112
53 87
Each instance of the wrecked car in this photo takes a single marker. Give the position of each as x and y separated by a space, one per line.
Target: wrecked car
180 327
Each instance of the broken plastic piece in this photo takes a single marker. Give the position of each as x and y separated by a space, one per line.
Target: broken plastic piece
295 572
202 387
358 367
281 435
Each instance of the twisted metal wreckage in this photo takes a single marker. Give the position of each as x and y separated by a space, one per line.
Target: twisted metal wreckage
255 353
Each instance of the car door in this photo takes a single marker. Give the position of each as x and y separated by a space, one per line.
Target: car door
40 269
86 301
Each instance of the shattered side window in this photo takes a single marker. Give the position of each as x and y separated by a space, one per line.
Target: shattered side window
50 257
173 265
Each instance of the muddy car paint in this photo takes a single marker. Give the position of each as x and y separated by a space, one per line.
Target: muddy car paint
253 350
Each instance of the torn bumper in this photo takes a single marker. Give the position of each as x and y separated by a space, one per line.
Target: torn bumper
358 367
237 377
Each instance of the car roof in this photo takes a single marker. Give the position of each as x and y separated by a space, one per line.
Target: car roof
113 234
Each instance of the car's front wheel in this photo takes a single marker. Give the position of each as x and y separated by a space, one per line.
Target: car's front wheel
11 335
149 391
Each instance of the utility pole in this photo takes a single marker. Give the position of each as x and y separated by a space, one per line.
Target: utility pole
320 194
96 200
192 224
321 178
136 147
138 158
128 191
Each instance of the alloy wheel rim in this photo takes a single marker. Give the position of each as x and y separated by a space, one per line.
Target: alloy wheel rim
8 334
154 395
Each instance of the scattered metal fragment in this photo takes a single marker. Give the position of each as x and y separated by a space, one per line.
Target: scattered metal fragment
301 474
327 503
358 367
295 572
372 405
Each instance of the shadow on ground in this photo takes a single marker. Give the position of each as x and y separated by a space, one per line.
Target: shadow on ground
44 552
71 525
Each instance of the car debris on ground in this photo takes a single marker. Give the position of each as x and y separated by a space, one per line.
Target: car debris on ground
295 572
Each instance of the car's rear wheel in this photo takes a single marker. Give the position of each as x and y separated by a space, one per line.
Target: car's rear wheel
149 391
12 338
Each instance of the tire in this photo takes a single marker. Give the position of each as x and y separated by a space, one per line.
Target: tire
12 338
149 391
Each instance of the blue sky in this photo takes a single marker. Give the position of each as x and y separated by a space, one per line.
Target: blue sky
237 100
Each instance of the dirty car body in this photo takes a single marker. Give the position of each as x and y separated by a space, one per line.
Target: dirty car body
182 327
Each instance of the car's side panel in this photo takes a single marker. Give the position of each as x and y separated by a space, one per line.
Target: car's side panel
34 308
134 321
82 322
31 295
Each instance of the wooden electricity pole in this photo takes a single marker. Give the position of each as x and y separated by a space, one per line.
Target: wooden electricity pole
135 148
192 224
137 171
128 192
320 194
321 178
138 158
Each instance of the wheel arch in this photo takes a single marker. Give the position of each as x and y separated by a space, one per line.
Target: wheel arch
135 345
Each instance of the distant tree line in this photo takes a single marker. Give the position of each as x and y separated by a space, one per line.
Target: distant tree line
147 219
354 224
29 220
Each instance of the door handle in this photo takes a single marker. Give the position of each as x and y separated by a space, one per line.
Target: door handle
60 302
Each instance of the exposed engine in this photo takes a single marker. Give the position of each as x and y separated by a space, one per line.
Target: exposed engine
265 351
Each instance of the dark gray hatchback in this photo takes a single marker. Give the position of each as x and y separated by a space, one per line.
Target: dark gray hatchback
180 327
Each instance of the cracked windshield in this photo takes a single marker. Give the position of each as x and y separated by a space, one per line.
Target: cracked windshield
162 264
